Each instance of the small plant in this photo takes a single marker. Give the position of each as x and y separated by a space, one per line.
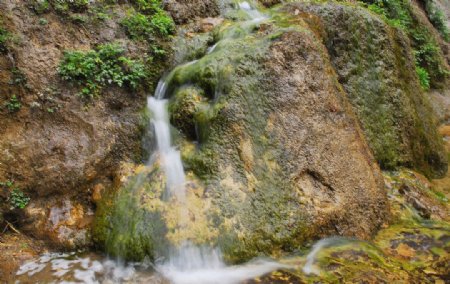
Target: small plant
95 69
151 20
41 6
4 37
78 19
138 26
43 22
148 6
424 78
13 104
437 18
18 199
17 77
162 24
7 184
78 5
102 16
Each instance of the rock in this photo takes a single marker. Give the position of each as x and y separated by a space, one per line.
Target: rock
375 66
208 24
413 196
184 106
97 192
270 3
134 219
185 11
59 145
62 223
277 138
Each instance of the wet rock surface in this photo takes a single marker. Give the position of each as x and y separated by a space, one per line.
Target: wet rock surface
185 11
57 146
375 66
280 125
275 142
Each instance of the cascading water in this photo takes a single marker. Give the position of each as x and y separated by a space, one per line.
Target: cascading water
186 263
189 263
170 157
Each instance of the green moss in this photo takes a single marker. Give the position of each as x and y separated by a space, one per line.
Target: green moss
401 14
230 80
184 106
437 18
127 225
376 67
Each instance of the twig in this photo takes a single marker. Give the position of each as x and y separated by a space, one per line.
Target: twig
12 227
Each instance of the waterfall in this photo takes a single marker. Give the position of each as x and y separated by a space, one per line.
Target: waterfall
188 263
170 157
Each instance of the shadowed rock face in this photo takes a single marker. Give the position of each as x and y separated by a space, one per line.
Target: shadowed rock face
376 68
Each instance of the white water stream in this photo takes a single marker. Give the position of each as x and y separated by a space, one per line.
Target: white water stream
187 264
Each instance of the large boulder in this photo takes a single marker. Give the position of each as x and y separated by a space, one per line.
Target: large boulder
375 66
280 158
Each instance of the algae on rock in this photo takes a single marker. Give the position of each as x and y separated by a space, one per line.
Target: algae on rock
376 67
270 136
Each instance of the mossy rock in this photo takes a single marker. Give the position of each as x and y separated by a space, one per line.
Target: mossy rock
279 157
256 134
128 219
375 65
185 105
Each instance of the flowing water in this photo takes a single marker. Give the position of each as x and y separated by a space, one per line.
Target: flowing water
189 263
186 263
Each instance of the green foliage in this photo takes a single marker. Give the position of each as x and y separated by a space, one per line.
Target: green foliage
7 184
95 69
428 55
393 12
138 26
60 6
143 27
424 77
163 23
77 5
18 199
148 6
151 20
437 18
43 22
78 18
376 9
13 104
41 6
4 37
17 77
